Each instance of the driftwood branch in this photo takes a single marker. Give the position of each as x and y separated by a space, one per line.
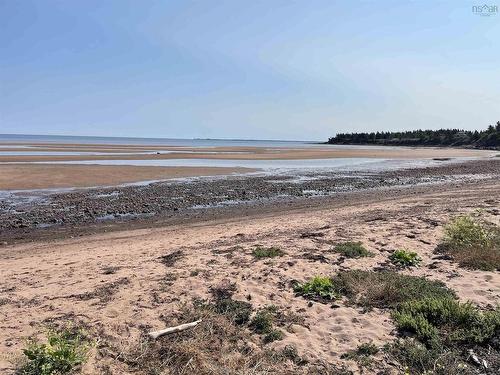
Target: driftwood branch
170 330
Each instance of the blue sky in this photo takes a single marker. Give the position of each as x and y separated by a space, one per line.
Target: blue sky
245 69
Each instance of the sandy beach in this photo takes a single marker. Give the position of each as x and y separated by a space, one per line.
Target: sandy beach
130 290
25 166
50 176
249 188
123 152
120 260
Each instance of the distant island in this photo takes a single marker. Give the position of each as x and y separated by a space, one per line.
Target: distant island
489 138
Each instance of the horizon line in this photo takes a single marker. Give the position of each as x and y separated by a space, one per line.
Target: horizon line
158 138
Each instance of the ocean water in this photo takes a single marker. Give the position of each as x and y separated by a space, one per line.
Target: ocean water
21 138
5 139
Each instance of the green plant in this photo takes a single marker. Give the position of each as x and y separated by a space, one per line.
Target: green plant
445 320
290 352
417 358
267 252
362 354
238 312
63 352
263 320
352 250
263 323
464 231
386 289
318 288
222 302
367 349
273 335
472 244
405 258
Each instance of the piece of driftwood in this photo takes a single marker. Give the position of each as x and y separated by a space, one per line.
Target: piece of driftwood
170 330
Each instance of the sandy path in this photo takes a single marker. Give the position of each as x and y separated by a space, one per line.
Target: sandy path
46 281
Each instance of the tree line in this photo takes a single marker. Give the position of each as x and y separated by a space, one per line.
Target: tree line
488 138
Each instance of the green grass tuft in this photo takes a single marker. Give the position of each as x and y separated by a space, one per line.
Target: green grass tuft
464 231
367 349
352 250
362 354
472 244
263 323
263 320
405 258
273 335
386 289
267 252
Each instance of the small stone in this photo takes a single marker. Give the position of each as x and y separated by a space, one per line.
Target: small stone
298 329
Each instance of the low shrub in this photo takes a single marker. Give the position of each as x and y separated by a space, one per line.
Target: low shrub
417 358
318 288
472 244
64 351
464 231
362 354
223 303
267 252
263 320
273 335
386 289
367 349
405 258
446 321
237 311
263 323
290 352
352 250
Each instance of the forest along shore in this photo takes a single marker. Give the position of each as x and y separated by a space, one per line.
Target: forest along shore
31 216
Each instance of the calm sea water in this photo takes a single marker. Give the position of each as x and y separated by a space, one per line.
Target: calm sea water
19 138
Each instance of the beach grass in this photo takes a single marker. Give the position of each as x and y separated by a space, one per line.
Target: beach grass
472 243
386 289
352 249
261 252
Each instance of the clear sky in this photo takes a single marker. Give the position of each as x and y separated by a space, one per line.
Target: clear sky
245 69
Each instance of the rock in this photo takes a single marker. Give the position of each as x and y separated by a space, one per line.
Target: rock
434 265
298 329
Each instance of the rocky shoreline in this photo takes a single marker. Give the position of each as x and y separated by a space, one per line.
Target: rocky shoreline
38 214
